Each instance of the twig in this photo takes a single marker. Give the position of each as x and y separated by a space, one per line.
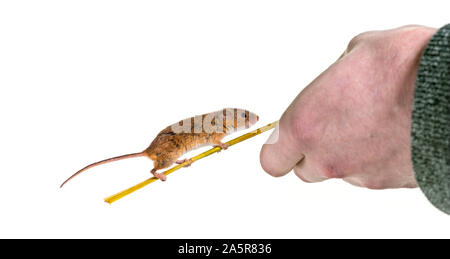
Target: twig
232 142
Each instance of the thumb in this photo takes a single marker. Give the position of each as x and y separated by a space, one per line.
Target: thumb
282 150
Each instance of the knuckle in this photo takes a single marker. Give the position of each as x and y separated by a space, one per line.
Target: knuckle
372 184
357 40
300 175
331 171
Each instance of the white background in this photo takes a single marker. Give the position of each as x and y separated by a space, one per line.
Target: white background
81 81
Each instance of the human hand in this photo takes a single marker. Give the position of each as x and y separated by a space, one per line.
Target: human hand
354 121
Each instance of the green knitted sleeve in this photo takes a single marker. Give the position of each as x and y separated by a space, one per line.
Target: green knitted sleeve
430 129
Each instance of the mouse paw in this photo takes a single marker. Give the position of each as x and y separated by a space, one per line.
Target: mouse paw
185 160
223 146
160 176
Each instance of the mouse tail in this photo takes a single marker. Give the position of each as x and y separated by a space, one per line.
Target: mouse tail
112 159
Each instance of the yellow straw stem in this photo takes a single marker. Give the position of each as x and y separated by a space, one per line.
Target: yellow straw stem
232 142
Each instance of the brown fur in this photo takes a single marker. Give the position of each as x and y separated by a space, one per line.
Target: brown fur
168 145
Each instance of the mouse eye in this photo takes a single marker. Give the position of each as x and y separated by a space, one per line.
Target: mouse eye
244 115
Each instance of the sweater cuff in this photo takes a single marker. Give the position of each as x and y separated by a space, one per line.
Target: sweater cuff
430 129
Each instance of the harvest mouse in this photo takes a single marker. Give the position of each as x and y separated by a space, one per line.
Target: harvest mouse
186 135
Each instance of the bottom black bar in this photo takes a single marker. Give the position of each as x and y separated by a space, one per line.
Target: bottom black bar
195 248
